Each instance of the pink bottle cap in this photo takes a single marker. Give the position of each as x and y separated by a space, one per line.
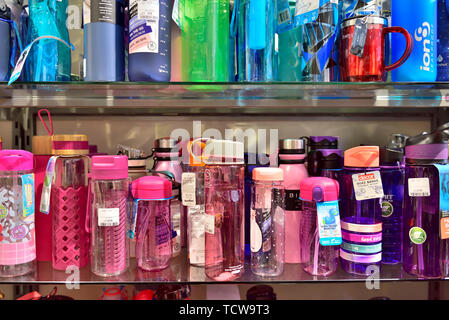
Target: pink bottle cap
319 189
362 157
16 160
109 167
151 188
268 174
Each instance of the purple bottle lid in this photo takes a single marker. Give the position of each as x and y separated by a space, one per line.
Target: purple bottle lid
323 142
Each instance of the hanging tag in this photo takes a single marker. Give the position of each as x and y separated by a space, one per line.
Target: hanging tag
444 200
418 187
209 223
46 189
21 61
133 220
188 189
175 14
108 217
329 227
359 38
284 16
28 194
367 186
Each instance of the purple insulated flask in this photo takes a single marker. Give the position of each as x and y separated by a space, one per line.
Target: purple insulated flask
425 253
316 143
392 173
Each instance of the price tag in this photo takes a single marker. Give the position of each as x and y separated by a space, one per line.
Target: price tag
46 189
209 223
188 189
108 217
367 186
329 228
359 38
418 187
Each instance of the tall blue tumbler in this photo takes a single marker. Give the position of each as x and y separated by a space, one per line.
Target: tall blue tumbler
419 17
104 40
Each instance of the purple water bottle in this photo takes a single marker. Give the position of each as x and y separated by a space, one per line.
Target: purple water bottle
392 173
316 143
425 253
329 163
361 210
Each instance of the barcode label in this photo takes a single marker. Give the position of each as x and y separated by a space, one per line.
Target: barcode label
418 187
148 10
284 16
108 217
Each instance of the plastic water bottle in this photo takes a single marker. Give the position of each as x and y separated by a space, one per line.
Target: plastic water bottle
419 17
443 40
104 40
149 40
5 40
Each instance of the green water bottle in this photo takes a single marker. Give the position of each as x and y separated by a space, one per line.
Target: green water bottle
205 40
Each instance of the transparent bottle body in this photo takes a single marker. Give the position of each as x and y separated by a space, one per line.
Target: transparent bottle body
267 228
69 191
195 221
323 260
154 243
109 247
431 258
205 40
17 233
224 241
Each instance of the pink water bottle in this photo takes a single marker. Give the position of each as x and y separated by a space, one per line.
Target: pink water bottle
17 237
291 161
151 212
108 215
224 182
320 225
70 241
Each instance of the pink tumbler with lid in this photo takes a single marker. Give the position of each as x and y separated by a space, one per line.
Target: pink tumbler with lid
17 237
152 195
108 187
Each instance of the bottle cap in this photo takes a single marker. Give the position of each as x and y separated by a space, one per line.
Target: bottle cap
166 144
428 147
197 149
362 157
319 189
42 145
109 167
224 152
151 188
329 158
70 144
292 146
323 142
16 160
268 174
390 156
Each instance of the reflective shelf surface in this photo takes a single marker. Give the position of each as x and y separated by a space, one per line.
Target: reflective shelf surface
180 272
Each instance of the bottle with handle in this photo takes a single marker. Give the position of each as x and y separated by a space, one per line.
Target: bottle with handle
17 235
108 195
292 154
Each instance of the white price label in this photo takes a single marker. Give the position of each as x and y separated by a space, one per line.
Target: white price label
306 6
367 185
418 187
209 223
108 217
188 189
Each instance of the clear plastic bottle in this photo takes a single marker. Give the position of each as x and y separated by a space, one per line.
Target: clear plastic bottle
153 231
205 40
224 192
108 215
17 235
69 191
267 222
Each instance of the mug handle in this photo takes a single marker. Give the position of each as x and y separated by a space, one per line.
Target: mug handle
408 48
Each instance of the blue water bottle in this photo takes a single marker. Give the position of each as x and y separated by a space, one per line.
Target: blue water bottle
419 17
149 40
443 40
256 40
104 40
5 40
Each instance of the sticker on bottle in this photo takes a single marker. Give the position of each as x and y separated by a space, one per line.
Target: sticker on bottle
367 185
132 219
188 189
143 26
417 235
255 233
28 194
108 217
418 187
387 206
329 228
175 14
443 171
306 11
195 223
284 16
292 200
46 188
209 223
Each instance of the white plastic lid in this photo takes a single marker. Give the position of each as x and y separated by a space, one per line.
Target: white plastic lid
224 152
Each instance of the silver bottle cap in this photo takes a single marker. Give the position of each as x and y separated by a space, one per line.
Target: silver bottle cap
292 144
165 143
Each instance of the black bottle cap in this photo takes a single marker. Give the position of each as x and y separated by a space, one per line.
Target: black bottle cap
329 159
390 156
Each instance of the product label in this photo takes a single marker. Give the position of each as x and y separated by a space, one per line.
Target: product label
132 219
108 217
209 223
387 206
423 37
284 16
329 228
188 189
418 187
261 230
111 11
357 248
196 217
367 185
28 194
417 235
292 200
144 26
443 171
46 188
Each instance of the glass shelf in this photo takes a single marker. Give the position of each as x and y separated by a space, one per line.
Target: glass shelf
226 98
180 272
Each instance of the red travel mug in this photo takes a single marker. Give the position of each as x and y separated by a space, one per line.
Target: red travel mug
371 65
